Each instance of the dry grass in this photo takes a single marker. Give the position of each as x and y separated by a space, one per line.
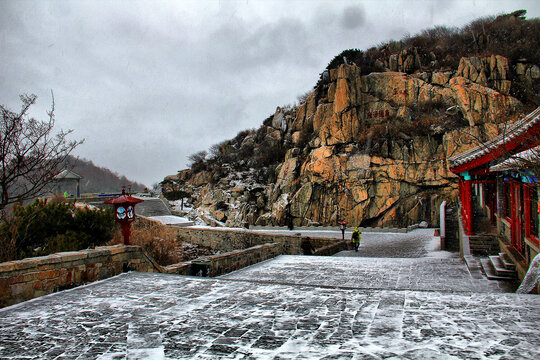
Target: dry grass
8 250
156 239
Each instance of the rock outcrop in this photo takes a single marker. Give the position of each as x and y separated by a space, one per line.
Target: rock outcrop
370 149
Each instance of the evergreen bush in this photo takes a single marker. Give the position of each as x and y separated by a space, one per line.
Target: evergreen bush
46 227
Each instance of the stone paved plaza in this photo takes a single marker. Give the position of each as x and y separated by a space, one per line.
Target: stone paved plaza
291 307
379 244
428 274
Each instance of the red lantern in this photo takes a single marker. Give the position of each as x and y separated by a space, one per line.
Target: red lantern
124 212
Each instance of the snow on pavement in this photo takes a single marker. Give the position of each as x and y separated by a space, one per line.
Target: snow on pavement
398 297
158 316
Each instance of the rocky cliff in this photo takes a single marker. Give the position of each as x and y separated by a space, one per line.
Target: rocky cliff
370 148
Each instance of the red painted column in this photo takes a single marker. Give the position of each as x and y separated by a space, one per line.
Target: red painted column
466 202
126 232
527 209
461 186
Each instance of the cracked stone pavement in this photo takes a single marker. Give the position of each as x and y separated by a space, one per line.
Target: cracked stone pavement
364 305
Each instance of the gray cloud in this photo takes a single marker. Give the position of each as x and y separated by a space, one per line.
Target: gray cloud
353 17
148 83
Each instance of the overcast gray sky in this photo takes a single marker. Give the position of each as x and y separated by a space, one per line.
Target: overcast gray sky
147 83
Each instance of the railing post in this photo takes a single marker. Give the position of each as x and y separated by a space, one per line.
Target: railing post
442 224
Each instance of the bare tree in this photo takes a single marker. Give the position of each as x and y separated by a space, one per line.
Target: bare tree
31 154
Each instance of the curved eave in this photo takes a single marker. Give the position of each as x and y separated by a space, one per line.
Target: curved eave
522 136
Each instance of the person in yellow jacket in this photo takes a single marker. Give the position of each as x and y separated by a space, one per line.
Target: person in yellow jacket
356 235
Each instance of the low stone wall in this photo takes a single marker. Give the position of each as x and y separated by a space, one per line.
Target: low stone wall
238 259
227 240
331 249
29 278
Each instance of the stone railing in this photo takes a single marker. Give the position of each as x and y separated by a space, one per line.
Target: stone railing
26 279
238 259
226 240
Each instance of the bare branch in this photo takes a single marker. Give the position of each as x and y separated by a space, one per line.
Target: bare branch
31 156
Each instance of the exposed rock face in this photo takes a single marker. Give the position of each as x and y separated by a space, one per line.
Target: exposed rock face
373 149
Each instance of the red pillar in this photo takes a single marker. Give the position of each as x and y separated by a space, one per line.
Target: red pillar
126 232
527 209
466 202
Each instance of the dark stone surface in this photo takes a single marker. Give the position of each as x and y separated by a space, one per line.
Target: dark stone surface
292 307
165 316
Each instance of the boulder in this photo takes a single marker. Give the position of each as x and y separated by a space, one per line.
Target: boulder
278 120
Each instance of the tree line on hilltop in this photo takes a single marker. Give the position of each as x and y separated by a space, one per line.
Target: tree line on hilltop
97 179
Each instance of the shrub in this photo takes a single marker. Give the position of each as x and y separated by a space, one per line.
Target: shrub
176 195
197 161
8 248
45 227
367 61
242 135
302 98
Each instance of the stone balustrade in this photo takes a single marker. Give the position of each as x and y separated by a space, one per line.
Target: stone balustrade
26 279
226 240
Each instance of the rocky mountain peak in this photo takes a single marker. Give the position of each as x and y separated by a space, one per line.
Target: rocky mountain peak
370 143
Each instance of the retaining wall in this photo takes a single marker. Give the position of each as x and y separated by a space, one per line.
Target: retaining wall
226 240
238 259
26 279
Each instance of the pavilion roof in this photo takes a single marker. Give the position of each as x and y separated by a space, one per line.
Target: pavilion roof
517 161
515 138
67 174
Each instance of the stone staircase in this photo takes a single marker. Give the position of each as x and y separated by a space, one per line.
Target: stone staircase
485 240
484 244
498 267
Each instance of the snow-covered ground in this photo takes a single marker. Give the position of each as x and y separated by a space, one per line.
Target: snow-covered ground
158 316
177 206
172 220
401 304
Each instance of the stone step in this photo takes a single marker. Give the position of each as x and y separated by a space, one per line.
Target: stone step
483 238
481 244
492 249
489 271
506 261
481 241
484 244
475 269
499 267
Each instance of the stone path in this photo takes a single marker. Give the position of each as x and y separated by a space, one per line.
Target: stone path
414 244
139 316
152 207
377 244
293 307
426 274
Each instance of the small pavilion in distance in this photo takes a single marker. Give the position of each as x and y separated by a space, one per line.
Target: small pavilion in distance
68 182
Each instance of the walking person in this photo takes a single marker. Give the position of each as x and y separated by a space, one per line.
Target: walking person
356 235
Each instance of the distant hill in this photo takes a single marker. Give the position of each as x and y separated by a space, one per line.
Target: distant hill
96 179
